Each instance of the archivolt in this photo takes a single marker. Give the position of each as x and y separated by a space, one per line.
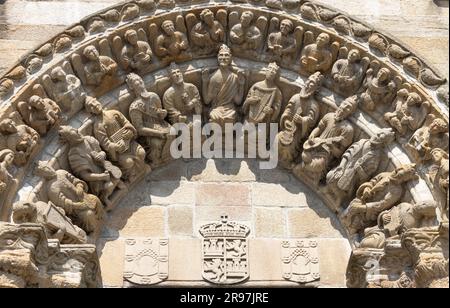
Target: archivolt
409 70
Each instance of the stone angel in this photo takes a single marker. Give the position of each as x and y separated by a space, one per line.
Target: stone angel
64 88
318 55
348 71
247 33
170 41
95 66
207 32
284 41
40 113
380 86
133 50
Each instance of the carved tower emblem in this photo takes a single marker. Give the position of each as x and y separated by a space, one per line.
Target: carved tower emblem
300 260
225 252
146 260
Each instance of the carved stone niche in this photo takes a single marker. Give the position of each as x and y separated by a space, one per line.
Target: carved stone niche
28 259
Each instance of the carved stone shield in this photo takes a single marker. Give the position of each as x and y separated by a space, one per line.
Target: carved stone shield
146 260
225 252
300 260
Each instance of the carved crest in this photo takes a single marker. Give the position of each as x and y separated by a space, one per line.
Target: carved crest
225 252
300 260
146 260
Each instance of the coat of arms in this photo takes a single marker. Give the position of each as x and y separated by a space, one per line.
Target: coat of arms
146 260
300 260
225 252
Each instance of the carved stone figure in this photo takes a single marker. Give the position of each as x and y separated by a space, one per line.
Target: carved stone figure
284 43
39 113
209 33
263 103
6 87
318 56
70 193
438 176
6 162
98 67
358 164
378 195
57 225
88 162
397 220
380 88
299 117
182 99
409 112
136 54
147 116
348 74
328 140
117 136
21 139
425 139
224 89
171 44
245 36
65 89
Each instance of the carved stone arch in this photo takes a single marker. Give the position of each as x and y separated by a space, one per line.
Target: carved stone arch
411 255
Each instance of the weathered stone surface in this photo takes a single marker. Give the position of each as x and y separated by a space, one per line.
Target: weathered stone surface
210 213
333 256
282 195
224 194
267 267
185 259
308 223
112 254
166 193
180 220
269 222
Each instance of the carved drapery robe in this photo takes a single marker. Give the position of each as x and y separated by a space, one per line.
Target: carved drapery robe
350 75
137 57
268 97
223 90
176 101
96 71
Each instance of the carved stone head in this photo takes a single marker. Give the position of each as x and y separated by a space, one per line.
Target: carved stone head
438 126
58 74
322 40
37 102
93 106
207 16
312 84
437 155
224 56
168 27
7 157
413 99
405 173
45 170
131 37
246 19
91 53
354 55
384 75
175 74
24 212
383 137
135 83
347 108
286 26
7 126
272 71
70 135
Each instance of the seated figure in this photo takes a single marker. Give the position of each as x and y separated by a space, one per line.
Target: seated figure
40 113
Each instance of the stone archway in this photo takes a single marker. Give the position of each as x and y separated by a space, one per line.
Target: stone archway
396 253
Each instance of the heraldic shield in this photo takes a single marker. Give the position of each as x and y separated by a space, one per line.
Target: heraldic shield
300 260
146 260
225 252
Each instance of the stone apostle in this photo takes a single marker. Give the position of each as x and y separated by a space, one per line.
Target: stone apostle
88 162
300 116
136 54
98 67
40 113
171 44
282 44
348 74
21 139
244 36
358 164
208 33
66 191
317 57
439 178
378 195
147 116
117 137
428 138
380 89
182 99
263 103
329 140
66 90
6 162
224 89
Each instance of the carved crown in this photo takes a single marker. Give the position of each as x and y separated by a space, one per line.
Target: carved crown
224 228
